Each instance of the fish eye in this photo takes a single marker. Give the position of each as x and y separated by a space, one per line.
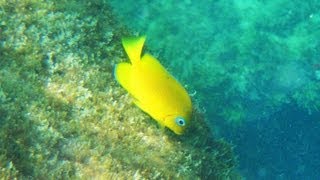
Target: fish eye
180 121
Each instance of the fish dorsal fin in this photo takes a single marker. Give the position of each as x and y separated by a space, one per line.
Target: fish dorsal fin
133 47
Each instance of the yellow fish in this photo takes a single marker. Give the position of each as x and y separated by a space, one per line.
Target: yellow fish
154 90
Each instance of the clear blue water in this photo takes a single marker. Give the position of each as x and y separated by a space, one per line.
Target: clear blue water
255 66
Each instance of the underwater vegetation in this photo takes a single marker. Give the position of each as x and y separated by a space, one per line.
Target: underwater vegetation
245 59
255 69
62 114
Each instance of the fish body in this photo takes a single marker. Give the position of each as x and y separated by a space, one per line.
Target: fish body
154 90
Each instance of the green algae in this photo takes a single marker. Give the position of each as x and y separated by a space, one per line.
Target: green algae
62 115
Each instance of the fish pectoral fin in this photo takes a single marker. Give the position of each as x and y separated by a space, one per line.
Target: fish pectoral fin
148 111
122 73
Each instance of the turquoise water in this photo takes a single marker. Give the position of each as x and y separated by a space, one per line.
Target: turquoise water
252 69
63 115
255 68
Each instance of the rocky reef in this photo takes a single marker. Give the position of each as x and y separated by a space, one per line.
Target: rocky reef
62 115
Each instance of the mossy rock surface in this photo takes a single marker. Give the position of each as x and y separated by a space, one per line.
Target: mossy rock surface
62 115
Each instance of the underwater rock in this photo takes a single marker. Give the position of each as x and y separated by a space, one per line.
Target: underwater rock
62 115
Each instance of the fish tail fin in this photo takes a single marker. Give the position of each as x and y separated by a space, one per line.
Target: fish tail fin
133 47
122 73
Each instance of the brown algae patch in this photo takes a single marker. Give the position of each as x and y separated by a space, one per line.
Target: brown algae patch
62 114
